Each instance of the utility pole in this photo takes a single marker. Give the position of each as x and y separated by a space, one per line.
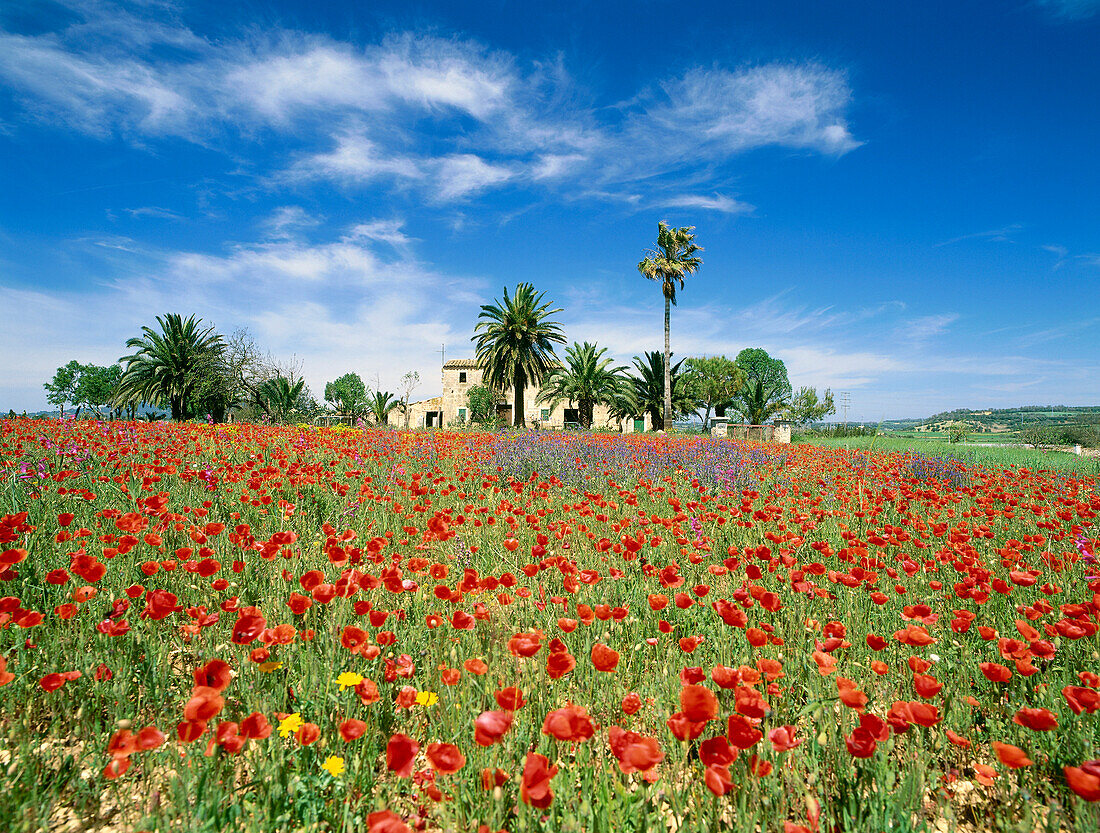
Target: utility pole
845 402
442 354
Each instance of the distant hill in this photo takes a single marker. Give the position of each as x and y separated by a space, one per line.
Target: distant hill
999 420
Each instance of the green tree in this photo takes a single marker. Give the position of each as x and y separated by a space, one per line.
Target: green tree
515 343
348 395
649 389
805 407
62 388
380 405
165 367
673 258
715 381
482 405
281 398
96 386
767 389
587 379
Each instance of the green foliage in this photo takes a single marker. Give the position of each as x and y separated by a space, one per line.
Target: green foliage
482 405
958 432
96 386
380 405
1051 435
673 258
767 390
805 407
648 390
515 341
282 399
348 395
715 381
588 379
62 388
167 367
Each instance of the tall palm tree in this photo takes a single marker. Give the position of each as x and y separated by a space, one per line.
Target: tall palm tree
651 394
163 370
279 397
380 405
668 263
587 379
515 343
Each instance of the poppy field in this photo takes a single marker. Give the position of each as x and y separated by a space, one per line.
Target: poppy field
206 628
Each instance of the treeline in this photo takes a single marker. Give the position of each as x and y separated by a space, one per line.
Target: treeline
188 371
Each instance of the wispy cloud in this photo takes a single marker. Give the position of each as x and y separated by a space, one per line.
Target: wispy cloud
718 202
1070 10
353 114
1006 234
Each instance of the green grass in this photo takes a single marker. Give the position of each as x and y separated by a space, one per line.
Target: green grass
995 457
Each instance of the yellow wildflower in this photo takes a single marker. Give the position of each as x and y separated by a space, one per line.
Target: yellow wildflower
349 679
290 724
268 667
426 698
334 765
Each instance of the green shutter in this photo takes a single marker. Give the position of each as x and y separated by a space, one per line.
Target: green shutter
546 413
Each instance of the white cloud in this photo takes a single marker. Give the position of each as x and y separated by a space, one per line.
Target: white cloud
355 158
717 113
444 115
287 220
719 202
464 174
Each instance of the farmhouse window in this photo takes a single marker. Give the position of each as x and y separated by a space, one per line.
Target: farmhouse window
462 378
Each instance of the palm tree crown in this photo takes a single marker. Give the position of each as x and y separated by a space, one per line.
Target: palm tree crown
279 396
587 379
163 370
649 391
515 343
673 258
380 405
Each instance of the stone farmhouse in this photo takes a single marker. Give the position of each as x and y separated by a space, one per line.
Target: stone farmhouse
452 408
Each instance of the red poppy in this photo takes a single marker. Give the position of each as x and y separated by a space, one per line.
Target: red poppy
635 753
308 734
216 674
717 751
535 786
698 703
352 729
569 723
743 732
490 727
683 728
1038 720
717 779
445 757
1084 780
204 704
510 699
1011 756
385 821
783 738
475 666
604 658
401 754
255 726
631 704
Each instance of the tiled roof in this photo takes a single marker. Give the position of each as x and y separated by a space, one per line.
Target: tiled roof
472 364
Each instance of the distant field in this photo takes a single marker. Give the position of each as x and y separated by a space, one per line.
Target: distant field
982 455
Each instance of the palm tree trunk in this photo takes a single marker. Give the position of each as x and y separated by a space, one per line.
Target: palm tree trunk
517 407
667 420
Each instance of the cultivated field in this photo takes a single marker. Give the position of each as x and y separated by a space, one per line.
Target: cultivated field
239 628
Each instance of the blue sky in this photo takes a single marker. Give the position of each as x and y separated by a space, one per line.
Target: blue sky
899 200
